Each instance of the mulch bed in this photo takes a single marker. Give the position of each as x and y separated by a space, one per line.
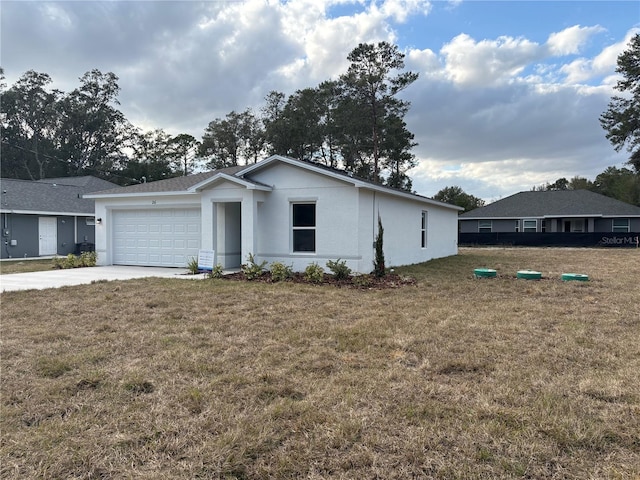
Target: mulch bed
365 282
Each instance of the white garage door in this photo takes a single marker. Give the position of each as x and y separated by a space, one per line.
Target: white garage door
158 237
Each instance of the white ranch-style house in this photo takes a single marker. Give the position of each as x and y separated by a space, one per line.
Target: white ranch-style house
279 209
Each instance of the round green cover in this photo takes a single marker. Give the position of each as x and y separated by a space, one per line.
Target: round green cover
484 272
575 276
529 275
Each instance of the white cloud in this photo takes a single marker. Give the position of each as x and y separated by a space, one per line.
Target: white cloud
494 115
487 62
584 69
570 40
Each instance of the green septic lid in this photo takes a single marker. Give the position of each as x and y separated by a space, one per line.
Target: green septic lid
484 272
529 275
575 276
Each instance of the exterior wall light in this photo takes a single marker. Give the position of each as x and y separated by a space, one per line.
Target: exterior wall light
98 221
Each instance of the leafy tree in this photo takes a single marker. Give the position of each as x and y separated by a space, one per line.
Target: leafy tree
93 133
580 183
622 118
456 196
371 82
231 140
29 127
276 134
182 150
619 183
150 158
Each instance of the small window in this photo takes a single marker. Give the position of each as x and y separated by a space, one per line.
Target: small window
530 225
517 226
90 220
543 226
484 226
620 225
423 230
304 227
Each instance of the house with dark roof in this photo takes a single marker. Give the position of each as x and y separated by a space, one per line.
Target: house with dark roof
278 209
47 217
559 217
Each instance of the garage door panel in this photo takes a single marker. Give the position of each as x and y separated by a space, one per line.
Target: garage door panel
158 237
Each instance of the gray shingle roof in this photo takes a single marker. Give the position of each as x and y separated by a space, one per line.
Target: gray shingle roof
176 184
553 203
60 195
182 184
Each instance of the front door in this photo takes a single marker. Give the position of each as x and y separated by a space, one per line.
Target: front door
48 231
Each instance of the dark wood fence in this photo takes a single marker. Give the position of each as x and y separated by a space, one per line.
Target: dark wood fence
597 239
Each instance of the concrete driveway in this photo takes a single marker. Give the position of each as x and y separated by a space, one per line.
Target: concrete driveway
79 276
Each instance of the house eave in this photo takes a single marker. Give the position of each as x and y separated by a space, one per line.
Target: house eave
139 195
44 212
349 180
230 178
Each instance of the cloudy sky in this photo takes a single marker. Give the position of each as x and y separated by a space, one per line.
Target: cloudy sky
508 96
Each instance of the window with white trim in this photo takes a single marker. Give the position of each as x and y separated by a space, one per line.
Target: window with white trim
620 225
517 226
423 230
303 228
484 226
530 225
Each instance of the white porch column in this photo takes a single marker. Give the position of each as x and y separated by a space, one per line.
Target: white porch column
207 214
249 225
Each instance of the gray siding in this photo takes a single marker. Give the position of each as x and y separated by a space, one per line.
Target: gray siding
23 229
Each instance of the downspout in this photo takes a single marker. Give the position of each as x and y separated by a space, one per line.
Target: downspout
373 221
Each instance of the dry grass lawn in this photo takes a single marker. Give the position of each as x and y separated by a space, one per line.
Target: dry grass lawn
23 266
453 378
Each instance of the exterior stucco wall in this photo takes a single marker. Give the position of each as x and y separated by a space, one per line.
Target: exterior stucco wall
336 213
402 222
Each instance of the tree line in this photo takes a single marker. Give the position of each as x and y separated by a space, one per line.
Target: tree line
355 123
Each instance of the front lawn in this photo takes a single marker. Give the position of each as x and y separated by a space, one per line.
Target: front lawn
453 377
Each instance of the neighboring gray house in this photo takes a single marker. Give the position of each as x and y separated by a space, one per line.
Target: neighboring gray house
47 217
279 209
559 217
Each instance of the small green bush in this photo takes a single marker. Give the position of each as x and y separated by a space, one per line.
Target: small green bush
216 272
88 259
192 266
251 269
280 272
314 273
339 269
58 262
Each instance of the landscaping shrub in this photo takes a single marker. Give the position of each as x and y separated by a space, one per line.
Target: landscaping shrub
378 262
251 269
86 259
280 272
216 272
314 273
192 266
339 269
